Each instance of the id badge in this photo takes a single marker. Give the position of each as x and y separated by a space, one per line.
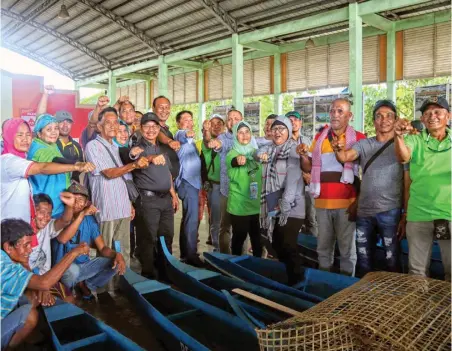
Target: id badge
253 190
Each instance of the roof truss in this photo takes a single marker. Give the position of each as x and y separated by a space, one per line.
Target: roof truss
225 18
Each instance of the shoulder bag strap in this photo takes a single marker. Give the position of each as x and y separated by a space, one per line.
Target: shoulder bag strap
378 153
113 159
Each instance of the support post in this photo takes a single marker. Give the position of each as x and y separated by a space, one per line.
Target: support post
237 73
111 87
148 95
356 65
201 104
163 77
277 84
391 64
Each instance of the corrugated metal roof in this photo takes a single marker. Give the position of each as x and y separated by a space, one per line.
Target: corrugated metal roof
173 24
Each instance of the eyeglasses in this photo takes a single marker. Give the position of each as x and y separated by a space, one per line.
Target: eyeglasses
150 127
280 130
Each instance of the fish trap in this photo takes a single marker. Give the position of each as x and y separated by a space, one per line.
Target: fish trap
383 311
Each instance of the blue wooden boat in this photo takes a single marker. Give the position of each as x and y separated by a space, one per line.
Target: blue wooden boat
308 250
208 286
272 274
182 322
74 329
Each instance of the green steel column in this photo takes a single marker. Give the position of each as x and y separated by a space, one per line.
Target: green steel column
391 64
148 95
356 64
237 73
201 104
163 76
277 84
111 87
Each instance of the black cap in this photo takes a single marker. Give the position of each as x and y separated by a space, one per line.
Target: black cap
150 116
435 100
77 188
387 103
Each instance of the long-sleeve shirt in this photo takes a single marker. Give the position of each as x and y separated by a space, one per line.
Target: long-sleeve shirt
227 140
190 163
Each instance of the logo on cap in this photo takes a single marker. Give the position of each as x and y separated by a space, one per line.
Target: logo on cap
434 99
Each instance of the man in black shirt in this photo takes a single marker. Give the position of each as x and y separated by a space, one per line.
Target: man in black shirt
158 200
70 149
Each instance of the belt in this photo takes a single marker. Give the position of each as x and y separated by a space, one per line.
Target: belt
150 193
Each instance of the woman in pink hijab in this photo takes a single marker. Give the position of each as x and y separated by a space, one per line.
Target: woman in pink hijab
15 169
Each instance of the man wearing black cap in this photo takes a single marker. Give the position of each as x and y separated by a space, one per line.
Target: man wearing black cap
158 200
70 149
380 202
429 204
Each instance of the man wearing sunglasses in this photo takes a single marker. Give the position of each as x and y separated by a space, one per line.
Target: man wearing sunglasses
429 204
379 205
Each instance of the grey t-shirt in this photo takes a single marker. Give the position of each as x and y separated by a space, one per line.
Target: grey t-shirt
382 185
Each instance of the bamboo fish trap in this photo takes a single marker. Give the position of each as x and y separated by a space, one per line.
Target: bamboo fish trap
383 311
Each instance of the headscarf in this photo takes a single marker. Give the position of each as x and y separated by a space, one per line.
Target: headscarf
122 123
247 150
9 133
43 121
269 174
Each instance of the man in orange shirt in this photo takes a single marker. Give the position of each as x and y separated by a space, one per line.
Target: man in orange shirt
335 188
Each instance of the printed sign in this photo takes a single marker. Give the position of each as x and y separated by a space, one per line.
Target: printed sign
252 116
28 115
423 93
222 110
305 107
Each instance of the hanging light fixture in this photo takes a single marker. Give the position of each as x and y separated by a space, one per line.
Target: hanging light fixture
63 14
215 62
309 43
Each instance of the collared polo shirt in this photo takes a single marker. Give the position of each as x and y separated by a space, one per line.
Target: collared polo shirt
110 196
430 173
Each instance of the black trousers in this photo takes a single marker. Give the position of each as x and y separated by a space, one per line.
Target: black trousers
286 247
155 218
241 227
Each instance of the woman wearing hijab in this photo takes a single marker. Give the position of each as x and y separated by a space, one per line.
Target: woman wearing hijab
122 138
245 179
282 200
44 149
16 200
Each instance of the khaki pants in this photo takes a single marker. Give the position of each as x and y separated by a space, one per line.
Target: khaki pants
117 230
420 241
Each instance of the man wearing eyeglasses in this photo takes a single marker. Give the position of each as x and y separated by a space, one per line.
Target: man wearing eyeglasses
429 204
335 188
380 198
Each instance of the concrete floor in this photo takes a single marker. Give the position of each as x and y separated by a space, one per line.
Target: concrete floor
116 311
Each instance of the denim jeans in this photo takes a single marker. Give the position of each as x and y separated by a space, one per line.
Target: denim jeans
14 321
213 197
96 273
188 238
385 225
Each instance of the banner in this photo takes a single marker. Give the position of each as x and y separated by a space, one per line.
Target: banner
305 106
252 116
222 110
423 93
28 115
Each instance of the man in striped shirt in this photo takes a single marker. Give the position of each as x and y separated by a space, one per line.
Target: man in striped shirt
107 184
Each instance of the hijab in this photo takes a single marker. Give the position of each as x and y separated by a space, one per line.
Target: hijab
247 150
43 121
122 123
9 133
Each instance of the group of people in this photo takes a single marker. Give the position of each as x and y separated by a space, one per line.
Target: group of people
118 190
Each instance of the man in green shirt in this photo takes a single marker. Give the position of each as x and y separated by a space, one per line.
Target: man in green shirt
429 204
210 174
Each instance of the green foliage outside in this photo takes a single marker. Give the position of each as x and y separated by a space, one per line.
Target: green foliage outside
91 100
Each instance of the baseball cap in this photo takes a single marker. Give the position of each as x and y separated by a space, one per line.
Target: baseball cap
386 103
435 100
293 114
77 188
216 115
150 116
62 115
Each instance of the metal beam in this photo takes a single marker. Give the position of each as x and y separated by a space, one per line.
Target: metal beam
225 18
127 83
111 87
199 50
321 19
262 46
201 104
237 73
38 58
423 20
148 95
376 6
187 64
163 77
136 76
356 65
91 80
95 86
136 67
277 84
34 13
130 27
378 21
74 43
391 64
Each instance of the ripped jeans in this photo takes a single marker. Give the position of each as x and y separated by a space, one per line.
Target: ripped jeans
368 229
